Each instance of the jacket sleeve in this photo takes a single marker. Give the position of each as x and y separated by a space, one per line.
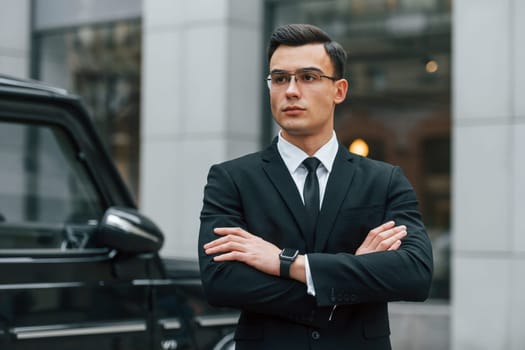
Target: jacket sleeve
405 274
238 285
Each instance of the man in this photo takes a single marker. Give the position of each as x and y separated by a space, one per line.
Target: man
310 276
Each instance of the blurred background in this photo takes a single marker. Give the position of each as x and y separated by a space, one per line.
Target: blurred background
436 87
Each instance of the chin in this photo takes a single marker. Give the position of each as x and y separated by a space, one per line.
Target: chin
297 131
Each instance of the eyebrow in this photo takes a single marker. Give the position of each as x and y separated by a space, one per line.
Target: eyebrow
304 69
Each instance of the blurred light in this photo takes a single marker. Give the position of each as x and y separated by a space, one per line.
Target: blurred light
359 146
406 23
86 35
432 66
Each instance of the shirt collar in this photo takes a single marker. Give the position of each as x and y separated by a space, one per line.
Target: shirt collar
293 156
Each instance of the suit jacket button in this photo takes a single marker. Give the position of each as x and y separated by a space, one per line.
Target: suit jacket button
315 335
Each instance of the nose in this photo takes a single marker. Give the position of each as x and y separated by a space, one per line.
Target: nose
293 87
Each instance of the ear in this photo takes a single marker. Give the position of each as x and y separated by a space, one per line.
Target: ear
342 88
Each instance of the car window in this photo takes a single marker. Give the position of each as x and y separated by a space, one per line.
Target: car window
44 187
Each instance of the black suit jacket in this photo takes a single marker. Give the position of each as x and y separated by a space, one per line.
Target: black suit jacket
256 192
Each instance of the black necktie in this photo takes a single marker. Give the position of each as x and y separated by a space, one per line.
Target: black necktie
311 195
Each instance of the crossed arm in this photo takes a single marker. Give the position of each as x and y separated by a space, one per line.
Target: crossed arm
237 244
229 254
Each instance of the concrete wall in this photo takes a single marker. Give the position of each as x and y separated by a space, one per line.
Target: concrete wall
200 104
15 31
488 257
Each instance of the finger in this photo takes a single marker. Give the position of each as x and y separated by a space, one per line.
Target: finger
230 246
372 234
383 227
216 242
235 231
391 241
223 240
396 245
231 256
382 236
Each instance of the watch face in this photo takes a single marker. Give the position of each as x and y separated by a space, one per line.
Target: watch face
289 254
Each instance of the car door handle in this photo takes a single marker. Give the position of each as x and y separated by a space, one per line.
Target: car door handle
65 330
217 320
170 323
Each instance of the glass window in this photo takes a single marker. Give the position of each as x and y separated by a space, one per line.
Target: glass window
398 106
43 187
101 63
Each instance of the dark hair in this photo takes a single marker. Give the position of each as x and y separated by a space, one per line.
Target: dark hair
303 34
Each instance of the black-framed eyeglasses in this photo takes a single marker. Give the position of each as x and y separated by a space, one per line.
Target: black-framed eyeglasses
280 79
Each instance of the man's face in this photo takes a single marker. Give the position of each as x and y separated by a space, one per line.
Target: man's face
302 109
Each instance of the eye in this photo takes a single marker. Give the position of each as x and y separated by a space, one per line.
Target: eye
280 78
309 77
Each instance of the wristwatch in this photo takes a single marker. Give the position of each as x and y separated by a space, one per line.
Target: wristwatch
287 257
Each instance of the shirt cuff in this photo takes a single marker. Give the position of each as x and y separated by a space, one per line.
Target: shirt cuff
309 280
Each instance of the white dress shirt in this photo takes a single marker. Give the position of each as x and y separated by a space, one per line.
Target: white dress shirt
293 158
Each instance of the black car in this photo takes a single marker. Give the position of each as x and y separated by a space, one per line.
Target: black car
79 265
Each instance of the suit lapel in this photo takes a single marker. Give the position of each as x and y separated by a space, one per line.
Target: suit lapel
336 191
280 177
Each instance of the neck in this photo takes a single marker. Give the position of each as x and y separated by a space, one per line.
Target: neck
309 144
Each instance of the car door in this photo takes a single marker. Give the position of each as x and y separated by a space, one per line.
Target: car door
59 290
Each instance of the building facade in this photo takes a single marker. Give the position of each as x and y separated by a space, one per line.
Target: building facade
435 86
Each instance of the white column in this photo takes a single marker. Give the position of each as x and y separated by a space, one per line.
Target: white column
488 256
15 31
200 105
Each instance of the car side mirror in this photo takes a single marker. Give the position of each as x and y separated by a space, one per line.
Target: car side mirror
128 231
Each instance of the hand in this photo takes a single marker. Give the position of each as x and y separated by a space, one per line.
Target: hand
384 237
237 244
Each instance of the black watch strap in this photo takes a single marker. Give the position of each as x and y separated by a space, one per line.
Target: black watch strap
287 257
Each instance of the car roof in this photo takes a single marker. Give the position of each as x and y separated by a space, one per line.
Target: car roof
28 86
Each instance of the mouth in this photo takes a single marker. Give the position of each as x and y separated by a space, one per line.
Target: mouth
293 108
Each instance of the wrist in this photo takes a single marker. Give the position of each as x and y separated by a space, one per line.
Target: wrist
287 257
298 269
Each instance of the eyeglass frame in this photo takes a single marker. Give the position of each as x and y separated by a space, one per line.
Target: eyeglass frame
298 71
